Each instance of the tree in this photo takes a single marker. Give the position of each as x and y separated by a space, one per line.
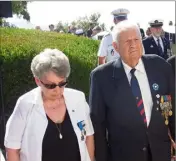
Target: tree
20 9
94 18
62 27
84 22
103 26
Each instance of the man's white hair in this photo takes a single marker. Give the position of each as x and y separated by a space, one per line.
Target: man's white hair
124 26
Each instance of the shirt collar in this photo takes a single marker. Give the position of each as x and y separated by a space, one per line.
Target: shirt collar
156 38
139 67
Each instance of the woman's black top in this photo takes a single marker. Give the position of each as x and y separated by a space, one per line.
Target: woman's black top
56 149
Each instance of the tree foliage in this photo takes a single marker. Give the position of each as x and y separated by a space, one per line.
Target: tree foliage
20 9
82 22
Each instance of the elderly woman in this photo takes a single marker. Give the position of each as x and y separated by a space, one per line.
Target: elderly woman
50 122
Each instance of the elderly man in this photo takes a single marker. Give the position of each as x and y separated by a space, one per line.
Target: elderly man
156 44
130 101
106 51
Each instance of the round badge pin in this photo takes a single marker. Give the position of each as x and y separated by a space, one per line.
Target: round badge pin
155 86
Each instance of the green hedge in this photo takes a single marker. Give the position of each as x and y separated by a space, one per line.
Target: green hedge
19 46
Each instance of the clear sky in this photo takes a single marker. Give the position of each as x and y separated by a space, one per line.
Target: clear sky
44 13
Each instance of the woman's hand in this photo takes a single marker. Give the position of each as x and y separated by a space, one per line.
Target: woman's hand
13 154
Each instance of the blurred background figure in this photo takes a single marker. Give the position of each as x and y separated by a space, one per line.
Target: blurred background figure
61 31
79 32
38 28
90 30
148 32
51 27
142 31
72 29
95 31
106 50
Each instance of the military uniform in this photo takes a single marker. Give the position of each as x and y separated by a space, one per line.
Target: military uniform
159 46
106 48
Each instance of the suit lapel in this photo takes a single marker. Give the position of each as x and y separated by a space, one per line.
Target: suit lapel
164 44
119 73
153 42
152 78
122 86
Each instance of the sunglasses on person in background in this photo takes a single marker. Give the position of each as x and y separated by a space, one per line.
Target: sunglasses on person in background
53 85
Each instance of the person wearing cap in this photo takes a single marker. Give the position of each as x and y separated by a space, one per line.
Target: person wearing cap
156 44
79 32
106 51
51 27
90 30
95 31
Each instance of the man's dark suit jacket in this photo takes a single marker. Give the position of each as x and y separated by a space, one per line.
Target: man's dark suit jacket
151 47
113 107
172 62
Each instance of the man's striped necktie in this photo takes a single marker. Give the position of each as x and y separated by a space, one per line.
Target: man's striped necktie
137 94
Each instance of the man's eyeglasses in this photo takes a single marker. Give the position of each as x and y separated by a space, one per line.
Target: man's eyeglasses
52 86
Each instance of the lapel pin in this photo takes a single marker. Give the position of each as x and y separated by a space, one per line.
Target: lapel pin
157 96
155 86
151 46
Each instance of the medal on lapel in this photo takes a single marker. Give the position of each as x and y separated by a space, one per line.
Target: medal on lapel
81 126
166 107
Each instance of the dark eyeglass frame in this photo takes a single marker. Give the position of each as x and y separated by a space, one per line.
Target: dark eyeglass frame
53 85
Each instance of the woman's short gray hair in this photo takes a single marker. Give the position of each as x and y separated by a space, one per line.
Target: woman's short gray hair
50 60
122 26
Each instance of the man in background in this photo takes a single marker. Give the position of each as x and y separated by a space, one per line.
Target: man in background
156 44
95 31
89 31
141 31
51 27
106 51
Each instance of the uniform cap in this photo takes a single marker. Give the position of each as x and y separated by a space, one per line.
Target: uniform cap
120 12
79 31
156 23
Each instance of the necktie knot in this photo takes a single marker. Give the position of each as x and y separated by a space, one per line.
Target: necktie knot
158 40
132 71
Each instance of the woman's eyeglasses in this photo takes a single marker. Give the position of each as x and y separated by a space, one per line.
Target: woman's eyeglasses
52 86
